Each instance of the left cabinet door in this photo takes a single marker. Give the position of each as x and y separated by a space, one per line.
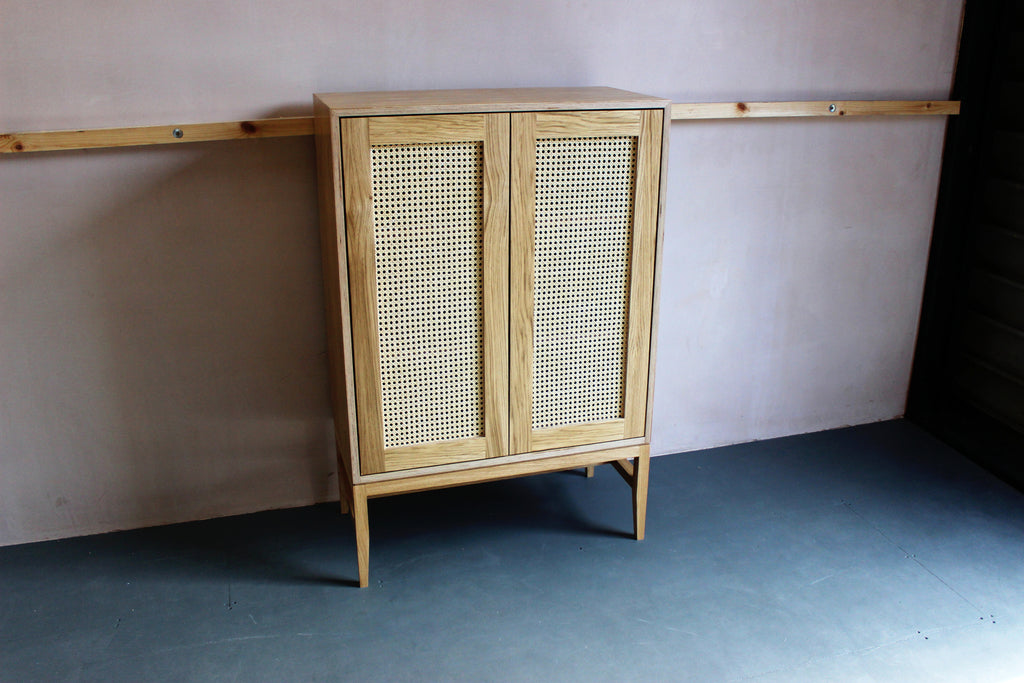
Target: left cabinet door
426 225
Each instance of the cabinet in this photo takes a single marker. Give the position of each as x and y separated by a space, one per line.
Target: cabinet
490 267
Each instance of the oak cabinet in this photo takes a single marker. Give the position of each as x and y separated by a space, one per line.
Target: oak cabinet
490 267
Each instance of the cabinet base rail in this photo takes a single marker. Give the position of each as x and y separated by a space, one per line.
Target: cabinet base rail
632 462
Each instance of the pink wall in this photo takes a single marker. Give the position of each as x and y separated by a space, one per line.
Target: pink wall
161 338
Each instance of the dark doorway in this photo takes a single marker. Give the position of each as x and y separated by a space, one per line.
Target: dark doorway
968 380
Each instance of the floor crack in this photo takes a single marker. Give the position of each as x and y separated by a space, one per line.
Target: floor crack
913 557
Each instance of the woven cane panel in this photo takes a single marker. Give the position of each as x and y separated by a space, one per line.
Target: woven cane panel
584 219
428 233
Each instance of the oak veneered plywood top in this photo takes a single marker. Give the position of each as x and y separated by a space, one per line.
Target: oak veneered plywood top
485 100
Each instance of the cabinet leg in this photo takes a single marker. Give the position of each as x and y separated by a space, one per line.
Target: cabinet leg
641 469
344 487
589 471
362 534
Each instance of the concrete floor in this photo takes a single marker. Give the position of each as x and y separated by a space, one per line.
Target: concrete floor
872 553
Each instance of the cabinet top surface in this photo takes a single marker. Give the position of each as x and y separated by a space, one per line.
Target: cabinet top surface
496 99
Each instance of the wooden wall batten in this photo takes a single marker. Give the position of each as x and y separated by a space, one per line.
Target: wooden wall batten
98 138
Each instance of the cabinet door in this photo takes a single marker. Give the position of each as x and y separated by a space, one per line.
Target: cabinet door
426 222
583 237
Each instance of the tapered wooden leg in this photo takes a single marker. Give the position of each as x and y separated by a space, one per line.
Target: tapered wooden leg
641 469
344 483
362 534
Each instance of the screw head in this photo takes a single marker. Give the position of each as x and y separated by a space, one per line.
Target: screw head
178 133
832 108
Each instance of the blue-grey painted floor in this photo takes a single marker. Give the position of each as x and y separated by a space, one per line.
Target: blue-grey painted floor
873 553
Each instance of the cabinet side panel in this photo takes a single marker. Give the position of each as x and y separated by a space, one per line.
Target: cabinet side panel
666 121
645 234
332 247
355 155
524 167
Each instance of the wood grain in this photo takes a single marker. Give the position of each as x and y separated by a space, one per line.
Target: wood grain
485 100
358 193
521 208
434 453
335 275
94 138
822 108
641 284
426 130
636 472
426 482
98 138
360 515
569 124
496 269
493 131
641 474
578 434
646 125
658 259
508 459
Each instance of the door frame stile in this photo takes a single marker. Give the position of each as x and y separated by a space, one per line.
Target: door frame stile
524 180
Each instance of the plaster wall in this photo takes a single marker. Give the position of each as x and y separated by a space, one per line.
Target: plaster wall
162 352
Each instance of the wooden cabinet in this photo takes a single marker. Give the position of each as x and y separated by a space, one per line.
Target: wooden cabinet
490 267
